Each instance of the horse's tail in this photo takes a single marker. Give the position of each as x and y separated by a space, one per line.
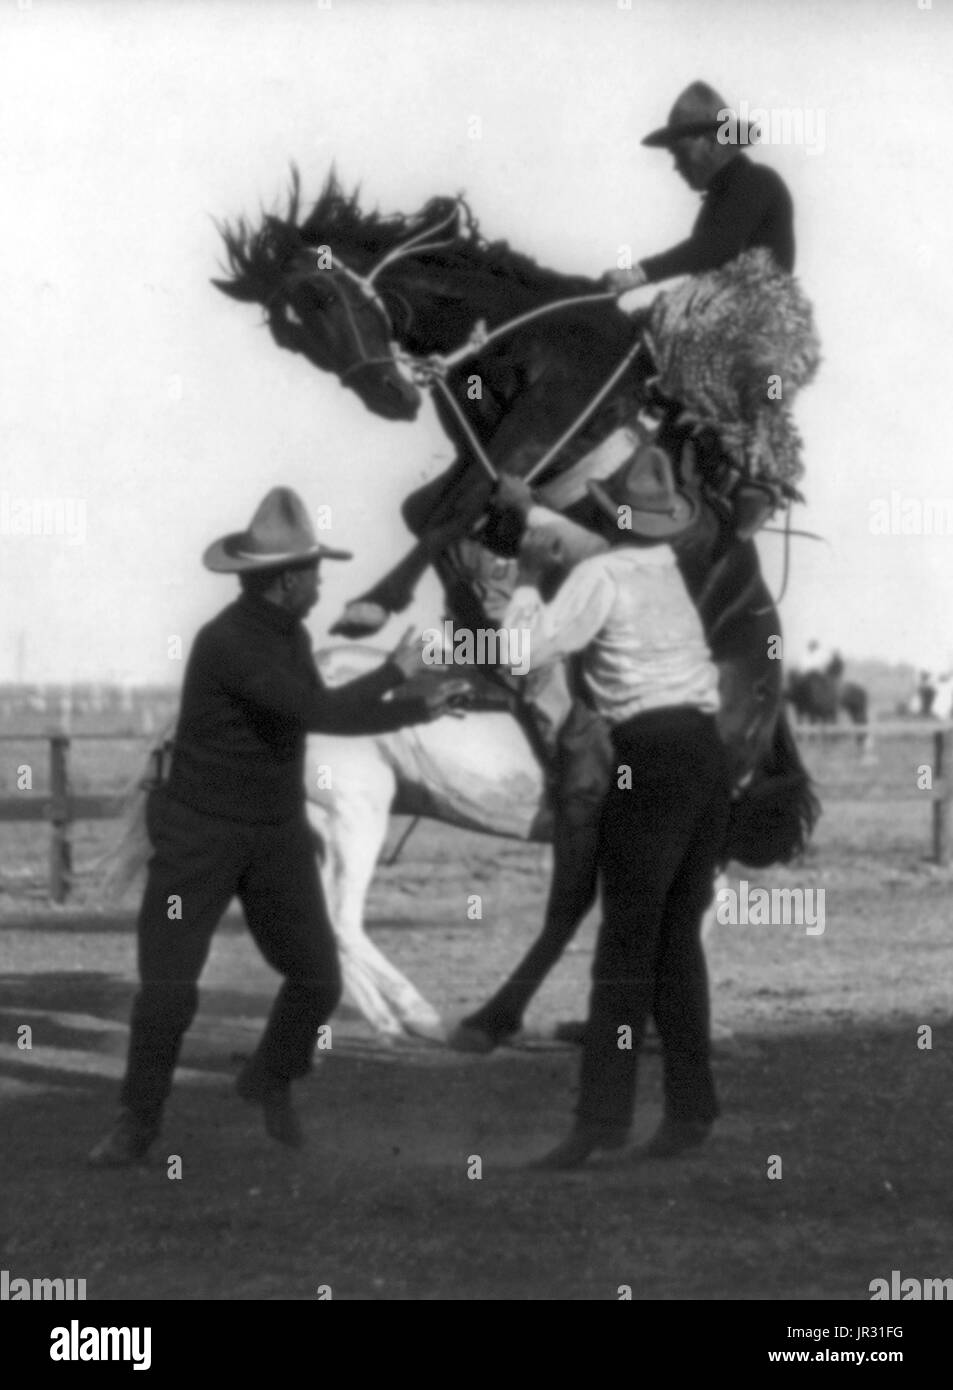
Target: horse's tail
773 816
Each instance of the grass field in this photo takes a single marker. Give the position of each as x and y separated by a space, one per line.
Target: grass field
817 1062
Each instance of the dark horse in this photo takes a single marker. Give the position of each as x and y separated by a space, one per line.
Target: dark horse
343 282
818 697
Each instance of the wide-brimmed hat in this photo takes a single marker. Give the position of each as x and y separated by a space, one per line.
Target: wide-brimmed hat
280 534
696 112
657 508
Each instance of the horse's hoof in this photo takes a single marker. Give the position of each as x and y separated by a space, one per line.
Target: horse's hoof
433 1031
464 1038
360 619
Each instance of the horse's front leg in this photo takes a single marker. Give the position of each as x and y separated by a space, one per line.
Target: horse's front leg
364 616
440 513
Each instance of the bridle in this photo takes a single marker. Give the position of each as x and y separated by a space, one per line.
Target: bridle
432 371
414 245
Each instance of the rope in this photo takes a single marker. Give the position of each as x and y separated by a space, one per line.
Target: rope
481 338
412 245
580 420
787 557
475 444
775 602
395 854
435 378
793 531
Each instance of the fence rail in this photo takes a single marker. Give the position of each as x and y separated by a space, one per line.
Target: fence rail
61 807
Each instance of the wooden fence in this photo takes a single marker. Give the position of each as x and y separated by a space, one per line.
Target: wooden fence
61 807
867 736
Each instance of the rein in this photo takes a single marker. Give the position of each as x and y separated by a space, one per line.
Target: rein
430 379
787 531
432 371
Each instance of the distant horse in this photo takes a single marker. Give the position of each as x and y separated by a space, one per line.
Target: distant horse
818 697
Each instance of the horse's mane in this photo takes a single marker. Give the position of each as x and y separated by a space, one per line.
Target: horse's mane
337 219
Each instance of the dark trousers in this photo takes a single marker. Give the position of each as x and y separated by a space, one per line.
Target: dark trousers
659 844
203 862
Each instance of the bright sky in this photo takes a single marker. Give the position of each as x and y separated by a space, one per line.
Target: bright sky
133 389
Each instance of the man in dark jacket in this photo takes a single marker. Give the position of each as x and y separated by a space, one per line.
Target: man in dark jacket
229 820
745 205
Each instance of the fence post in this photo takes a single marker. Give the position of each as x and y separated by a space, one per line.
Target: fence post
61 859
941 800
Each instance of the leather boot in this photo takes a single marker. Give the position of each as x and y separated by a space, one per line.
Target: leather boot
128 1142
273 1093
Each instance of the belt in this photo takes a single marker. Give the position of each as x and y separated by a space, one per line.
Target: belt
663 717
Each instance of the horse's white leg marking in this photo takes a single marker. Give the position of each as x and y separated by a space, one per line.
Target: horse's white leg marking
352 817
344 815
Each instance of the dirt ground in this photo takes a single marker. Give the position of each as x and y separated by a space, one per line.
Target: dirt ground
817 1063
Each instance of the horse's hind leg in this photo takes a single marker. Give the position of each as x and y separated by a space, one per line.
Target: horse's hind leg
585 757
571 895
353 821
439 513
352 828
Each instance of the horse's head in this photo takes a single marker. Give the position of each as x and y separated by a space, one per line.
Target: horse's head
316 306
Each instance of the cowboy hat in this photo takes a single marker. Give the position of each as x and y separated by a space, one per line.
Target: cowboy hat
280 534
699 110
656 509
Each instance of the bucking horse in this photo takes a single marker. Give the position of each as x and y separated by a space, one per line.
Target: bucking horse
542 376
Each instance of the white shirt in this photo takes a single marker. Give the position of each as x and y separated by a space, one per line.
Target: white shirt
630 611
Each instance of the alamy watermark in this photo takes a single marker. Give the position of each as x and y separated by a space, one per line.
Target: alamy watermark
775 125
482 646
906 1289
75 1343
43 516
19 1290
911 516
772 907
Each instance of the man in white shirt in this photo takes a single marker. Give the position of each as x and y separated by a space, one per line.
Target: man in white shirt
648 672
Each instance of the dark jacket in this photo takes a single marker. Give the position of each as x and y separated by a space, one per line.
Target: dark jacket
745 205
251 695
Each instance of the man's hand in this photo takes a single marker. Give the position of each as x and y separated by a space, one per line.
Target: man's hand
409 655
512 494
449 697
621 281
